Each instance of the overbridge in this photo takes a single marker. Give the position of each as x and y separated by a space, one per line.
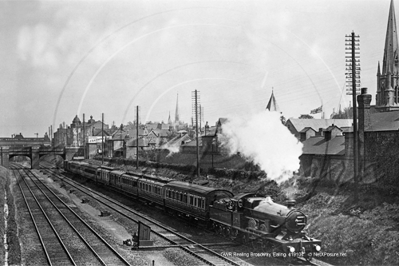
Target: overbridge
33 148
35 153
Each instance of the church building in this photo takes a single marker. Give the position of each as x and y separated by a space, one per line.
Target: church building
387 98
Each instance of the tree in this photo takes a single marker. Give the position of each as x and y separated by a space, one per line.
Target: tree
346 114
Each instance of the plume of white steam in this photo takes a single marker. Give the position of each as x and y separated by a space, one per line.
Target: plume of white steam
265 141
172 148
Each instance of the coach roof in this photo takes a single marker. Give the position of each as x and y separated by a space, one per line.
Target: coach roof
192 187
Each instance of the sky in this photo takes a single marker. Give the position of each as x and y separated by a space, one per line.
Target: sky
64 58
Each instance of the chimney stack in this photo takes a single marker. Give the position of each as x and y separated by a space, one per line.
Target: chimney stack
363 100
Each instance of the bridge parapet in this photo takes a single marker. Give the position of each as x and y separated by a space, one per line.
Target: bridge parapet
34 153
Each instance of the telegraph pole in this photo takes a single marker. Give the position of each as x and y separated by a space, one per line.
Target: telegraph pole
352 44
196 130
84 137
137 137
102 139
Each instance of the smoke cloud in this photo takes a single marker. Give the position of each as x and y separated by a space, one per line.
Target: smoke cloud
174 148
265 141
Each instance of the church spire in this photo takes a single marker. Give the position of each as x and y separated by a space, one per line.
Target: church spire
378 69
391 43
169 120
177 110
272 105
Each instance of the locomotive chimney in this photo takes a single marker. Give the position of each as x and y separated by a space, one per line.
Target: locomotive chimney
290 203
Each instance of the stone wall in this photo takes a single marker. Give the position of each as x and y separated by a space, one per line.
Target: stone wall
334 169
383 149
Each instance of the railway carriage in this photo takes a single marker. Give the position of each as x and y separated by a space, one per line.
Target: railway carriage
103 173
129 183
115 178
191 199
88 170
74 166
151 188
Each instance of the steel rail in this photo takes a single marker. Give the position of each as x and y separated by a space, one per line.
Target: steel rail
149 220
83 222
49 222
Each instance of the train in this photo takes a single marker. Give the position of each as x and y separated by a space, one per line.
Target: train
244 217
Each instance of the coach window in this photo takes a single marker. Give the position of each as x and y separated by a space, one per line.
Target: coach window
191 200
185 198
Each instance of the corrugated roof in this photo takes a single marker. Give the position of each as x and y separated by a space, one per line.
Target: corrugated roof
319 146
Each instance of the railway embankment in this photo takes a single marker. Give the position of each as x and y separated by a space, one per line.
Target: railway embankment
10 247
365 232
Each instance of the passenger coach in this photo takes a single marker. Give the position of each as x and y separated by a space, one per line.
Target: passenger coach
191 199
151 188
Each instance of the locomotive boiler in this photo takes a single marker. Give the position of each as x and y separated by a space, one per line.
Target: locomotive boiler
262 222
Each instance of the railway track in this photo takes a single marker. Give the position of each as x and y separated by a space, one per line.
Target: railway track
195 247
66 239
205 255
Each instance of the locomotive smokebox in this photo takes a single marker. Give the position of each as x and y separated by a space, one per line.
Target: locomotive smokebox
290 203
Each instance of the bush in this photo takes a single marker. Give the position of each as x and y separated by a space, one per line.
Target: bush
368 238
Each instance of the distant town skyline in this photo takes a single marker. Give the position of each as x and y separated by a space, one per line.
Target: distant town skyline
65 58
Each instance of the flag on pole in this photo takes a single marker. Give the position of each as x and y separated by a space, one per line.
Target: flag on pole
317 110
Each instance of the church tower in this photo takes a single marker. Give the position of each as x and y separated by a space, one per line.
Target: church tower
387 98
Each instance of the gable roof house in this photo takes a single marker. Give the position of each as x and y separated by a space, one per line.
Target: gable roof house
295 126
116 144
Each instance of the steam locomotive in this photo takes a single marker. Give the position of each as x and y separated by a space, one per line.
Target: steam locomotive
245 216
